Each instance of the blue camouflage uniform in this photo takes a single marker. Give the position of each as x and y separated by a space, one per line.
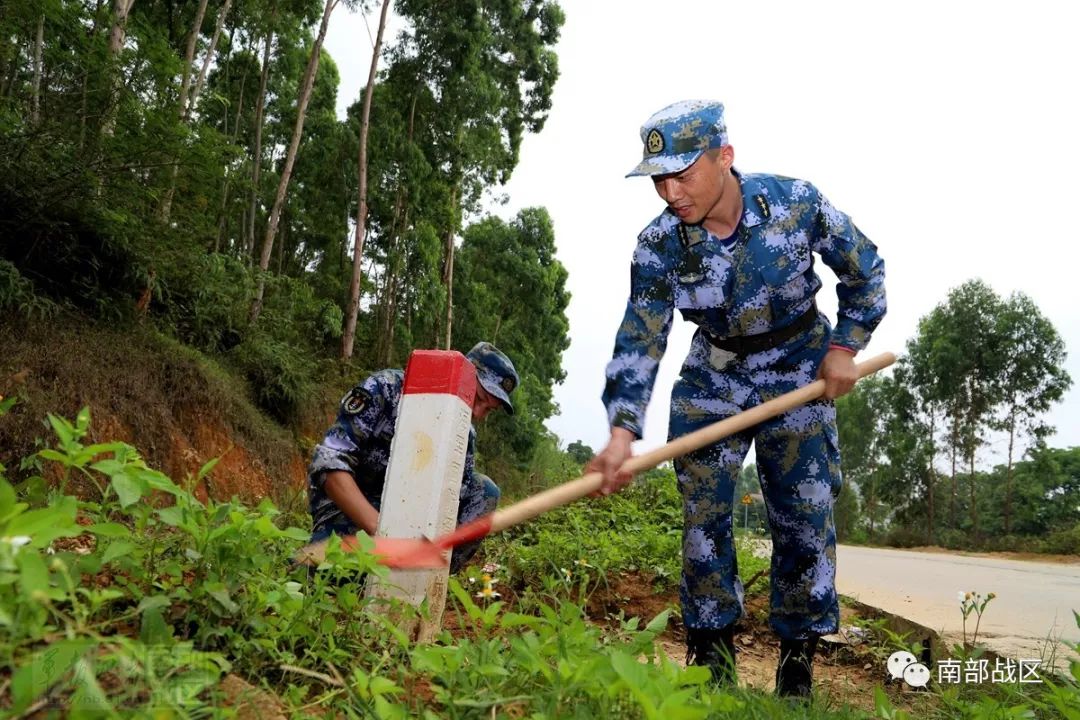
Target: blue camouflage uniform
758 281
359 443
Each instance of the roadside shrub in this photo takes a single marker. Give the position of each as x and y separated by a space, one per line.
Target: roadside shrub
903 537
1014 543
1063 542
953 539
858 536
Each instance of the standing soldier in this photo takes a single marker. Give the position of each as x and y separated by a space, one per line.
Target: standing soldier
348 469
732 252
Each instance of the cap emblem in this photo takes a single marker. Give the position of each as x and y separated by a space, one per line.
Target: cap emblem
654 141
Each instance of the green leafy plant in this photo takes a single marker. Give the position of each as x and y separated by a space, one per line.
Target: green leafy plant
973 602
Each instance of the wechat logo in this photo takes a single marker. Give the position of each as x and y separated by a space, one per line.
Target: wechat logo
904 666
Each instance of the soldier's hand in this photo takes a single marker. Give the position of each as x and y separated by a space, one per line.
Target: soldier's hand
610 460
839 373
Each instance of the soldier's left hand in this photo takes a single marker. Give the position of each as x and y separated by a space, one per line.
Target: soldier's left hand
839 373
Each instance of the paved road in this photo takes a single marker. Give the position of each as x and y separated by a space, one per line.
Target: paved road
1035 600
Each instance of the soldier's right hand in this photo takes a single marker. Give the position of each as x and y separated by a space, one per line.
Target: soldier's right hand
610 460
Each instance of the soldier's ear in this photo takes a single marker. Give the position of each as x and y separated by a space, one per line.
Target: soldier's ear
727 156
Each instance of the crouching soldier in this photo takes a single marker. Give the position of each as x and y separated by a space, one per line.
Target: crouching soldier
348 468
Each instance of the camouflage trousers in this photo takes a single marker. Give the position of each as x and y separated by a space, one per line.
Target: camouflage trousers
478 500
798 464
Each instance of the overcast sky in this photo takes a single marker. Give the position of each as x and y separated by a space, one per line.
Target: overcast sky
948 131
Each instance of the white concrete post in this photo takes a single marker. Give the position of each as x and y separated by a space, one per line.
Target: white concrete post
423 478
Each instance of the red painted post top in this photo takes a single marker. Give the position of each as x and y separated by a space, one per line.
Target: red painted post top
440 371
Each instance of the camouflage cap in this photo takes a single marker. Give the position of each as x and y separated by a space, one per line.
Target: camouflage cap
675 137
495 372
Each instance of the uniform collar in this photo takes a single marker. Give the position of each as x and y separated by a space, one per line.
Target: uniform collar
756 208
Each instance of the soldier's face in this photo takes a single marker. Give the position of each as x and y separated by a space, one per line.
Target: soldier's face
483 403
694 192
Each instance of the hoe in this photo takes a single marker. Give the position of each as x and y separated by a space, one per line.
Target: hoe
413 553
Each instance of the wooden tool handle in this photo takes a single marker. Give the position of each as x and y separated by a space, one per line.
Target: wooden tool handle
573 490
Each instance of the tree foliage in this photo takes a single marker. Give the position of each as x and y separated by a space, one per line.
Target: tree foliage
979 364
147 150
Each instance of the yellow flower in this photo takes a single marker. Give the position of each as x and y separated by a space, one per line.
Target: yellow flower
487 593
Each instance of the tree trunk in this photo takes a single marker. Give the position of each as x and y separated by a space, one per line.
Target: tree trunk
200 83
227 179
281 245
222 213
256 155
952 496
930 506
360 236
448 273
86 78
290 159
189 57
35 88
1009 472
930 484
385 340
974 508
188 102
8 81
121 10
448 281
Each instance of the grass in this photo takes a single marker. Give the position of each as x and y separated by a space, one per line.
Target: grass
143 600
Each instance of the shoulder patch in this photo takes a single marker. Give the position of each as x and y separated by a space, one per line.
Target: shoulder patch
355 400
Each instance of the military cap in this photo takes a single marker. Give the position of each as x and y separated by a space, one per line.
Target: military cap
495 372
675 137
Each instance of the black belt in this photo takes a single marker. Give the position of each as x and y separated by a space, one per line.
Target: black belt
750 344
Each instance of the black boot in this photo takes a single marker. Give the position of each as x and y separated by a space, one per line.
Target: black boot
714 649
795 672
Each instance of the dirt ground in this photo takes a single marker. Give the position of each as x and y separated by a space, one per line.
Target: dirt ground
845 671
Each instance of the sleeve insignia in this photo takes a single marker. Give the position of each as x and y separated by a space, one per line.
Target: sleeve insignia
355 400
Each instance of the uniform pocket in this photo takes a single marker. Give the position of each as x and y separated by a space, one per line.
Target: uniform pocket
699 282
789 284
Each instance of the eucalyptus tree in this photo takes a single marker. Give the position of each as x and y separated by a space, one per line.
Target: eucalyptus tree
304 97
360 235
1032 377
906 446
859 422
492 67
513 293
189 94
